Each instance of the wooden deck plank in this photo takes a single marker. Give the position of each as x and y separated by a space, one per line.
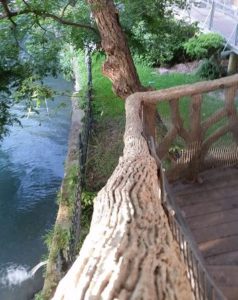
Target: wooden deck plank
210 178
213 219
230 292
211 211
228 258
215 232
224 275
199 209
217 193
219 246
200 189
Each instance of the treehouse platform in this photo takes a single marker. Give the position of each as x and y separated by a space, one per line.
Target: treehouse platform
210 209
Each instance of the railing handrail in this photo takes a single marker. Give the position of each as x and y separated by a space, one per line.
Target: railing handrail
183 90
134 128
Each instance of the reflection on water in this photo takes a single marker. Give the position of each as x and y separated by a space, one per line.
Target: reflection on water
31 170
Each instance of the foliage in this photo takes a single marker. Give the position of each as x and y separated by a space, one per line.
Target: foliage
204 45
150 28
210 69
105 103
6 117
37 40
32 46
86 216
38 296
159 45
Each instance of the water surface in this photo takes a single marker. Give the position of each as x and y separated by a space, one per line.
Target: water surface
31 170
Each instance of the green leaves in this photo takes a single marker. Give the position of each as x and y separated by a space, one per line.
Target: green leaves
160 45
204 45
6 117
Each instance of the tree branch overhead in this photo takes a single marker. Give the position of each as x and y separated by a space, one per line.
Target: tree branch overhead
11 14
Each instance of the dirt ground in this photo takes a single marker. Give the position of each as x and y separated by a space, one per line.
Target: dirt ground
180 68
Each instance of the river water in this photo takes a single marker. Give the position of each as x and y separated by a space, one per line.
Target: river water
31 170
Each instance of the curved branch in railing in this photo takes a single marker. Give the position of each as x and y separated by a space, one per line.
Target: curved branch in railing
163 147
129 252
219 115
214 137
178 121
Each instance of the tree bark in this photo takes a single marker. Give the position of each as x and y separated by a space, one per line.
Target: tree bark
119 66
129 252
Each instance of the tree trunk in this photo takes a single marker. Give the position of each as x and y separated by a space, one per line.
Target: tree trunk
119 65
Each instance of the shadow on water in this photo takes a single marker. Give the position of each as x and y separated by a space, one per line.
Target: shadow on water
31 170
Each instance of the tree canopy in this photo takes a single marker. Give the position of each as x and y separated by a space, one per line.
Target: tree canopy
33 34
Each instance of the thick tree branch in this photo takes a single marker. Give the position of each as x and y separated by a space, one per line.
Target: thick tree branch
119 66
10 14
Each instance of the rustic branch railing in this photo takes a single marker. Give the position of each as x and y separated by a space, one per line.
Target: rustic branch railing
130 251
205 141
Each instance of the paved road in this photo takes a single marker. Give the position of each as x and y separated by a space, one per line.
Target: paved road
224 21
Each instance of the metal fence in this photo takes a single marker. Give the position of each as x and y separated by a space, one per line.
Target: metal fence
83 148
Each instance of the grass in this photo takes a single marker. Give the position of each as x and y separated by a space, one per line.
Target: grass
106 143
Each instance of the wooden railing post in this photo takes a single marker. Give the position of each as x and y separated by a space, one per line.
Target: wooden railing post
196 137
149 120
231 111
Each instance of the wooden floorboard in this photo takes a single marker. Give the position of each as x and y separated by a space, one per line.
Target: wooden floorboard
209 177
210 210
230 292
215 232
227 258
219 246
224 275
217 205
218 193
213 219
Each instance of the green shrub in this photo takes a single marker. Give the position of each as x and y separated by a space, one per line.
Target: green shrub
209 69
159 45
204 45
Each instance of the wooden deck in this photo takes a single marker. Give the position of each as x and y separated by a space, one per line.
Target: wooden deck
211 211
